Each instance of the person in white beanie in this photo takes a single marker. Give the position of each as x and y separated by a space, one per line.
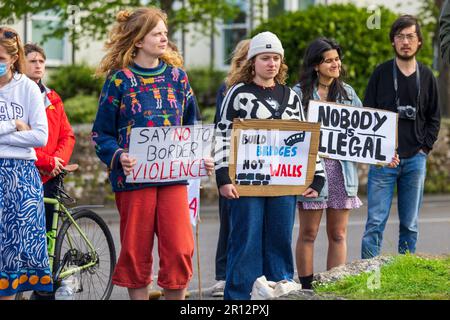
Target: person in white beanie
261 227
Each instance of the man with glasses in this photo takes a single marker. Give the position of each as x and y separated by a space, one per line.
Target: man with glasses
405 86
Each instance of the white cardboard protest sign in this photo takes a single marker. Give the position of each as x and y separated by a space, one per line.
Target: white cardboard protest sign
363 135
194 200
170 153
266 157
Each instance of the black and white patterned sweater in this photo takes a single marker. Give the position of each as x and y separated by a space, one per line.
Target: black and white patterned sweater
250 101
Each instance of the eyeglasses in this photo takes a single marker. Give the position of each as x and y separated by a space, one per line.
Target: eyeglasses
401 37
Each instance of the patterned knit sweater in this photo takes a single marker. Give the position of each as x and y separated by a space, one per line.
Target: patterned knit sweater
249 101
139 97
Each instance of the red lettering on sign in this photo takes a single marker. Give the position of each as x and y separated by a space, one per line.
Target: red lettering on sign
194 206
286 170
181 134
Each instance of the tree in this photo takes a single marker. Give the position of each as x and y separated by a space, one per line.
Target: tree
364 45
92 18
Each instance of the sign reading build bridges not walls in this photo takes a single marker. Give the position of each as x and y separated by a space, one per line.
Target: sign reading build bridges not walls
273 157
357 134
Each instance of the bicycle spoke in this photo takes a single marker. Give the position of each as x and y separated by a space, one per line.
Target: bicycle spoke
95 281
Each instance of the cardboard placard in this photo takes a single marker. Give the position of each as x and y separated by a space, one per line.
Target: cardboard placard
363 135
273 157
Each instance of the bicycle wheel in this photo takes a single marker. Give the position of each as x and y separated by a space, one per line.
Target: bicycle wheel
71 250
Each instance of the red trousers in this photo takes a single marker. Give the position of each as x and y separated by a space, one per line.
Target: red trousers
162 211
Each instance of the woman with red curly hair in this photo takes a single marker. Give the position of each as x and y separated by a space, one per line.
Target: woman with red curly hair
145 87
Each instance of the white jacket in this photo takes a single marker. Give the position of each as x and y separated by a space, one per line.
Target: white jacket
21 99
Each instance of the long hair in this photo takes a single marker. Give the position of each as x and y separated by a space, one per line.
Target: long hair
10 41
239 56
309 76
173 56
130 28
246 74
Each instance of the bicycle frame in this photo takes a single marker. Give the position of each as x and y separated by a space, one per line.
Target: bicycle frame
51 235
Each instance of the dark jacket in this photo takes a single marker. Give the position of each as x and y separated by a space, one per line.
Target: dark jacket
444 31
412 135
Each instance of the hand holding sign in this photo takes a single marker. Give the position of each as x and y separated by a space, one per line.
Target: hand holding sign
395 162
310 193
127 163
209 165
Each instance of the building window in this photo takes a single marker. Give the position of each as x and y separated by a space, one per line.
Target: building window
55 48
234 31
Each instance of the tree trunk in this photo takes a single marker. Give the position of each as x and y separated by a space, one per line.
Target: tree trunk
167 7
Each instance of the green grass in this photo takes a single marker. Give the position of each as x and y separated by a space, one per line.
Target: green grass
406 277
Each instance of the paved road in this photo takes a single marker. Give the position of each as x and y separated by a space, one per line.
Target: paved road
434 238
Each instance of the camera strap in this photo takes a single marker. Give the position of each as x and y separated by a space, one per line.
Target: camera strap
394 73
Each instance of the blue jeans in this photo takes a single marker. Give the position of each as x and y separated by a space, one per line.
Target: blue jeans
222 242
259 243
410 178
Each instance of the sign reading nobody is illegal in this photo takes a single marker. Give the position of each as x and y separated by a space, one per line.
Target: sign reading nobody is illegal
357 134
273 157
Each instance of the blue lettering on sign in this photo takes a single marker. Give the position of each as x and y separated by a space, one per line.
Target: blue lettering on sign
284 151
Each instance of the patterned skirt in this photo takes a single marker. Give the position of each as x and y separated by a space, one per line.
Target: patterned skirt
23 246
337 196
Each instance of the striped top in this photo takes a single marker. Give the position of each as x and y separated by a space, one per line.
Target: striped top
250 101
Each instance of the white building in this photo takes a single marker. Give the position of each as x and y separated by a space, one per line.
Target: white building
196 48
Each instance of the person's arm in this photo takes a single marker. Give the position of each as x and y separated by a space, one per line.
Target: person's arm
66 138
191 111
432 116
319 174
37 120
444 31
219 100
46 161
7 127
105 129
222 138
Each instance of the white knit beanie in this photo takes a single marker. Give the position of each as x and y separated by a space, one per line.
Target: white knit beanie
265 42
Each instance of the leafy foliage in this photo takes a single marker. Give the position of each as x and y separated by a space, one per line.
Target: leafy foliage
363 48
92 18
71 80
81 108
205 83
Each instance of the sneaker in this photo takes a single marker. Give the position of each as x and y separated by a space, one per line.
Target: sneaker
217 289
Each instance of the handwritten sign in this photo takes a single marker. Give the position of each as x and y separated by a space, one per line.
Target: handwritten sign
194 200
357 134
170 153
273 157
